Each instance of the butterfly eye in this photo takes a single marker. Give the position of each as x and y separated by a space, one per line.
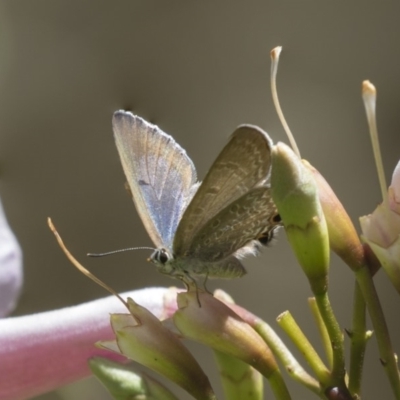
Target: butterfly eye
266 237
277 218
161 256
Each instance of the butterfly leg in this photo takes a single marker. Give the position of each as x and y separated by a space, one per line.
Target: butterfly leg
205 283
190 284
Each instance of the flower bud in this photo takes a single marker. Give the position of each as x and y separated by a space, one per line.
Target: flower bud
343 237
215 325
381 231
123 383
141 337
295 194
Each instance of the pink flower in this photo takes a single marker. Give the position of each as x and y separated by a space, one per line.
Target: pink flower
11 273
42 352
381 230
394 190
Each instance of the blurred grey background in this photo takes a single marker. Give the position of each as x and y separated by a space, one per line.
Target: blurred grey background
197 69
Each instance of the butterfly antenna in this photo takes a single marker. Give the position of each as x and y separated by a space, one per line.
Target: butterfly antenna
118 251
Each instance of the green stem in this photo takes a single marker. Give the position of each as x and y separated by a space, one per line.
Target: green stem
294 369
323 332
240 381
296 335
387 355
358 338
278 386
335 336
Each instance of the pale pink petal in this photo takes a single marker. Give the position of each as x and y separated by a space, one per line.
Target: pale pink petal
11 273
42 352
396 181
394 190
382 227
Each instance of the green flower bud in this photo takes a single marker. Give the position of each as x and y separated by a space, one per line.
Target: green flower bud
343 237
141 337
295 194
123 383
215 325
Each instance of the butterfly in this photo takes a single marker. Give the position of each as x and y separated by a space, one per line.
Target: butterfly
199 229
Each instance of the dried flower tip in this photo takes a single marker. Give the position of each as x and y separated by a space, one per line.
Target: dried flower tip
369 98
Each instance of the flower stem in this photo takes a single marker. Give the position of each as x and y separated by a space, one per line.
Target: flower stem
296 335
322 330
335 336
387 355
240 381
278 386
358 337
280 351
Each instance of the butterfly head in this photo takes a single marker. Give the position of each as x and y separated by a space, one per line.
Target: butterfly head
269 234
163 260
167 264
